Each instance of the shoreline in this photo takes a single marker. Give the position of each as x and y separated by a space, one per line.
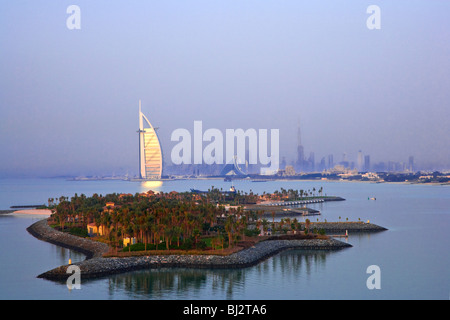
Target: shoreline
342 227
103 267
26 212
36 212
95 266
266 179
91 249
5 212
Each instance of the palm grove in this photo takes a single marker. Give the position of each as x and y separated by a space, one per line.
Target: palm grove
172 220
156 220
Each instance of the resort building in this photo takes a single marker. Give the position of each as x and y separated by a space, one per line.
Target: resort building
129 241
94 230
150 153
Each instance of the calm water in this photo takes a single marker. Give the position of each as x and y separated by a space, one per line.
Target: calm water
413 255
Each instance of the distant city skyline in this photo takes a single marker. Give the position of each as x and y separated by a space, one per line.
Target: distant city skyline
70 88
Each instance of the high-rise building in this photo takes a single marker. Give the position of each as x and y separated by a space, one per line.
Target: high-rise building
367 163
312 162
300 164
411 164
360 161
300 157
150 153
330 163
322 165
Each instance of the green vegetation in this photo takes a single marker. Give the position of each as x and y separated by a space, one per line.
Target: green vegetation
296 195
171 221
156 220
80 232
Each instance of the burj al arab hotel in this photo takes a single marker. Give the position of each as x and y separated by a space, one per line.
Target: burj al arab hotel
150 153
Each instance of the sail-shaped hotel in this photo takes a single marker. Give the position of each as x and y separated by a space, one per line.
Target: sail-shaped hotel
150 153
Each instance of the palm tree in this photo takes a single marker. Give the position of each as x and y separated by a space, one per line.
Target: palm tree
307 225
229 227
244 224
265 224
293 226
105 220
177 233
169 232
196 234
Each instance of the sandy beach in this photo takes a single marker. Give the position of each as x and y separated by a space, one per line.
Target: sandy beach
39 212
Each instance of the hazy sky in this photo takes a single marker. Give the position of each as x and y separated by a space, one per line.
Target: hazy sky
69 98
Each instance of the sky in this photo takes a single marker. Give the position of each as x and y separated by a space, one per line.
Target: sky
69 97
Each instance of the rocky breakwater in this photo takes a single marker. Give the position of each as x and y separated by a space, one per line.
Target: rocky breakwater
92 249
96 266
342 227
101 267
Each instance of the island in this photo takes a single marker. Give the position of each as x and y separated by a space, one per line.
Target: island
200 229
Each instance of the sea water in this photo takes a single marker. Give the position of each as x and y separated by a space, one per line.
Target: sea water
412 255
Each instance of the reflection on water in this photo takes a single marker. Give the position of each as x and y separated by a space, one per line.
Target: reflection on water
151 185
156 283
64 255
184 283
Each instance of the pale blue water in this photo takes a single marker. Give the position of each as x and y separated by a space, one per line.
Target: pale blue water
413 255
